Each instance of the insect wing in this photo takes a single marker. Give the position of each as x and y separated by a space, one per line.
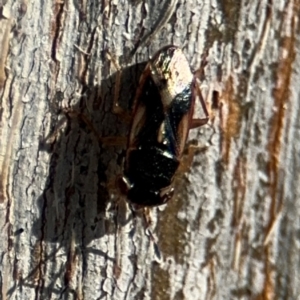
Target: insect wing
148 113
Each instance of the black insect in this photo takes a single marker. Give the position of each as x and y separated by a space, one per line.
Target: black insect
163 115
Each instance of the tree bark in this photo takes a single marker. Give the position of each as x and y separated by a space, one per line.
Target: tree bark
232 229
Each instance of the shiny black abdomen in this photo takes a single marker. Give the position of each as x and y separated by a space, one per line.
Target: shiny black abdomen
150 170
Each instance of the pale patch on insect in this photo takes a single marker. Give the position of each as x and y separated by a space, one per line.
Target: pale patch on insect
162 134
171 75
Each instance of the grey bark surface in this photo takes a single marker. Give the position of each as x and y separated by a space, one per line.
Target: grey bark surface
232 229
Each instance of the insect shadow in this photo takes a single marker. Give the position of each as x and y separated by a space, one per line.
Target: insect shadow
75 206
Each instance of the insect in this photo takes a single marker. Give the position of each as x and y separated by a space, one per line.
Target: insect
163 112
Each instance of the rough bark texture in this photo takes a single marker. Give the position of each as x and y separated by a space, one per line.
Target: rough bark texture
231 231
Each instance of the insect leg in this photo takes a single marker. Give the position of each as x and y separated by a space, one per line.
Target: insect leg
116 108
148 222
208 106
199 105
105 141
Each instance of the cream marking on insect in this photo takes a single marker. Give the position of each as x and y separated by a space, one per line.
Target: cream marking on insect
171 75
